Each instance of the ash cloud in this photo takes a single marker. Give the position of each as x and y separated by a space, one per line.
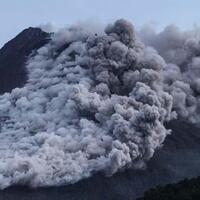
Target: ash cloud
95 102
181 51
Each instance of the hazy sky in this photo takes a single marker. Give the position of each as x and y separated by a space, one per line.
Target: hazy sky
16 15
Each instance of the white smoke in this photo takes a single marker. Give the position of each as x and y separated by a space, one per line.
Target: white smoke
93 102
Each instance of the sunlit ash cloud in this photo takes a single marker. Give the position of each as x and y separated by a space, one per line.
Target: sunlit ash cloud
97 101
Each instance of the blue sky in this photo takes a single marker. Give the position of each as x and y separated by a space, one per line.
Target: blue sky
16 15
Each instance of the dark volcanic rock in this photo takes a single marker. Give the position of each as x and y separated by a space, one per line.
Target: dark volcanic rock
13 56
178 159
184 190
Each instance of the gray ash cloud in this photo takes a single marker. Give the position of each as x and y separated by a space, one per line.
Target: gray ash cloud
93 102
181 51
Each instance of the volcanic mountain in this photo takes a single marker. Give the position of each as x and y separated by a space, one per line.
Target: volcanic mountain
14 54
93 111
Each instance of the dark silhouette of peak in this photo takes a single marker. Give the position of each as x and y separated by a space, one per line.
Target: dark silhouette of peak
13 56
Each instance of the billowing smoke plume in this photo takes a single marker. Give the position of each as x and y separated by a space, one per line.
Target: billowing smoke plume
181 50
96 101
93 102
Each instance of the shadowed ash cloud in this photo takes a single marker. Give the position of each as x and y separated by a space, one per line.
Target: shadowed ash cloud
181 50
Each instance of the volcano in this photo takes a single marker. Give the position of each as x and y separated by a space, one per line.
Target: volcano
105 112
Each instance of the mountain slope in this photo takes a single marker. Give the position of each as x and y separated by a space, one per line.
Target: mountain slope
13 56
184 190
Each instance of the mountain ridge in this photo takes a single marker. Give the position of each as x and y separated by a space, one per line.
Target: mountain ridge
13 56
